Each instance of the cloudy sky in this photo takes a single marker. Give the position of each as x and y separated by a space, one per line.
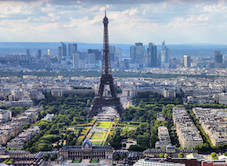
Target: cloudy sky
175 21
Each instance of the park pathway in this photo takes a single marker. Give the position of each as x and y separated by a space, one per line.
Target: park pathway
109 114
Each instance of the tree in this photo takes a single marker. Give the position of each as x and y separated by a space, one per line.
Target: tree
165 155
51 138
214 156
123 156
180 155
46 157
53 157
225 153
44 147
88 102
143 140
136 148
116 157
9 161
116 139
161 155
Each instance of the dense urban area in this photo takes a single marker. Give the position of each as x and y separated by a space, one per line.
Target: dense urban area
141 104
172 113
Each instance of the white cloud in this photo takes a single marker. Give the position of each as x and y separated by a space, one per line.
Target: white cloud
202 18
9 8
46 21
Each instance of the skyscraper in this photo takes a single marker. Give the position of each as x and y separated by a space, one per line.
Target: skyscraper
48 52
98 56
72 48
76 60
27 52
152 59
187 61
39 53
117 57
164 56
137 55
28 57
112 53
59 53
90 60
62 52
218 57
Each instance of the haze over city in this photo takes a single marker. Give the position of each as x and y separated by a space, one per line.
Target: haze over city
176 21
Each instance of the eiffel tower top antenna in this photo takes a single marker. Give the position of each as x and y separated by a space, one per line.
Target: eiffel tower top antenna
106 69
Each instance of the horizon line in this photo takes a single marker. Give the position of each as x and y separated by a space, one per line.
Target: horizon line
196 43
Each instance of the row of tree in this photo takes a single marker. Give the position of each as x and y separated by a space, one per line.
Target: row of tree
69 111
144 113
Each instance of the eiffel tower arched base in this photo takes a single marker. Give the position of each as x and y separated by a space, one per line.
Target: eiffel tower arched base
100 102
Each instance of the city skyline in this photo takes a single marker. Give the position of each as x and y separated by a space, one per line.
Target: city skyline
74 103
175 21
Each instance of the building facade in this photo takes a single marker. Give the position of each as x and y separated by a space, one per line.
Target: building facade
188 134
5 115
187 61
164 56
137 55
164 138
86 151
72 48
218 57
152 59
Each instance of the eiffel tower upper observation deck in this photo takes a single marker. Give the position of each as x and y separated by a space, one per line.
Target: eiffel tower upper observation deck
106 79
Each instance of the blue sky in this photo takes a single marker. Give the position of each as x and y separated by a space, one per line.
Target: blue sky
176 21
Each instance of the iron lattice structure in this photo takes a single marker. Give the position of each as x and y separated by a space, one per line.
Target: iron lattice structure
106 79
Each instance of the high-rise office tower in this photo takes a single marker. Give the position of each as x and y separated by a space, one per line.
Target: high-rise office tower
164 56
98 54
39 53
72 48
28 57
27 52
187 61
218 57
118 57
62 52
48 52
76 60
59 53
112 53
137 54
152 59
90 60
114 56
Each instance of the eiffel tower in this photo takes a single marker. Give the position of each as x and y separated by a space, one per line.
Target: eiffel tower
106 79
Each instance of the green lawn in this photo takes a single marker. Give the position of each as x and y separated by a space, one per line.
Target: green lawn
97 142
99 135
76 161
105 125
